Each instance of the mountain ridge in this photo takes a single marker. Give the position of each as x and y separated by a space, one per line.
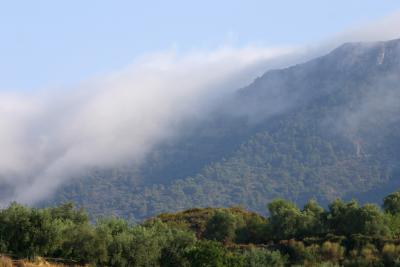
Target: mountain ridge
313 130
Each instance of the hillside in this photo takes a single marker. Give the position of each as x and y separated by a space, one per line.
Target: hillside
323 129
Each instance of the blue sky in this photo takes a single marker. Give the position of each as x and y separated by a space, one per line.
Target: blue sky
59 43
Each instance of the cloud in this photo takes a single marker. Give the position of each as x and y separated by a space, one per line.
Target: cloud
50 136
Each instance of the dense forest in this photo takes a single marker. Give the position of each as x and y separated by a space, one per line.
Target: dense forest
344 234
325 129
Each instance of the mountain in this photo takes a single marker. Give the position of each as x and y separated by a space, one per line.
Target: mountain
324 129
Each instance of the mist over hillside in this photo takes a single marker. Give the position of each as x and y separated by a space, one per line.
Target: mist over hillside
51 136
322 129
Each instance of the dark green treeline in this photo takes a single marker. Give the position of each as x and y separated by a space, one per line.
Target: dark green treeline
345 234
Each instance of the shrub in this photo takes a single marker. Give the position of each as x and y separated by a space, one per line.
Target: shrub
259 257
332 251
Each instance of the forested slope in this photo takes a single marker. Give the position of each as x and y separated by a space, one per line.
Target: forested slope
323 129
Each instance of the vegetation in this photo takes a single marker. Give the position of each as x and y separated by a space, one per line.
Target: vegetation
344 234
325 129
37 262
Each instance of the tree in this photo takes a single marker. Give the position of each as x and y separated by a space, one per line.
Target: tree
391 203
312 220
259 257
221 227
284 219
15 230
68 212
207 254
81 243
116 234
178 242
46 236
28 232
374 222
343 218
254 231
349 218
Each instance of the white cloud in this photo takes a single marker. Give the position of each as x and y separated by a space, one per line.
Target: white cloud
51 136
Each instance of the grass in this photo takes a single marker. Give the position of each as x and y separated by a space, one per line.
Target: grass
8 262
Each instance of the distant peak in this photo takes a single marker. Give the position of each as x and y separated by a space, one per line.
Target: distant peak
355 45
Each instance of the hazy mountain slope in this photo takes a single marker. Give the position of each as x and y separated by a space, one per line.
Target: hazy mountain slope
326 128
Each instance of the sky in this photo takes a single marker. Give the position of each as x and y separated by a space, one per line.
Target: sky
51 44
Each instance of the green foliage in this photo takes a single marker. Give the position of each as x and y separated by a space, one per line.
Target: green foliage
221 227
259 257
391 255
197 220
174 252
393 221
332 252
391 203
82 244
284 219
28 232
287 221
213 254
68 212
349 218
346 234
254 231
367 255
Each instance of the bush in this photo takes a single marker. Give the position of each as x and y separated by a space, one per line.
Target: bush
332 251
259 257
221 227
207 254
